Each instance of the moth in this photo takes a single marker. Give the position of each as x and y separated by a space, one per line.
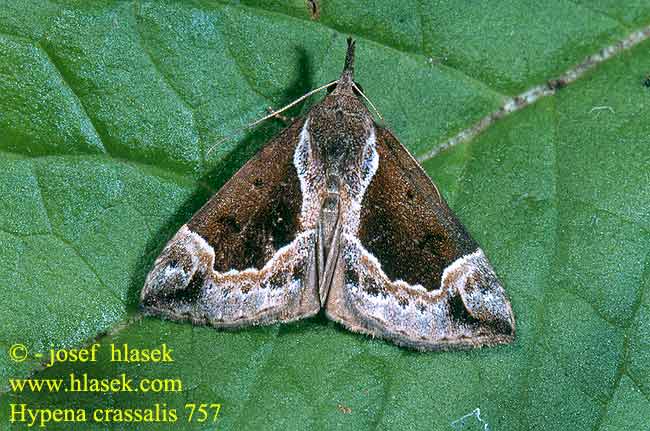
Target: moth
333 214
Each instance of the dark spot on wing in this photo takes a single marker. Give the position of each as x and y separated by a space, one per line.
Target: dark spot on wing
276 281
409 195
459 312
372 287
351 276
192 291
298 272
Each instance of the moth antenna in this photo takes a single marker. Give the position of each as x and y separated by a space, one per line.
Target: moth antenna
298 100
356 87
273 114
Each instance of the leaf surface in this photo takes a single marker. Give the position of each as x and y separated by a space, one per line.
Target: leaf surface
112 118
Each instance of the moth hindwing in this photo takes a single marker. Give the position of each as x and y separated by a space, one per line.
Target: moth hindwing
333 214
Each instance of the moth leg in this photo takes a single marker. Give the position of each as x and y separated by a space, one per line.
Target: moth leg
469 309
329 232
286 120
184 286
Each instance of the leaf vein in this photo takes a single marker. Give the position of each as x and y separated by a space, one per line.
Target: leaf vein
166 81
102 139
621 371
530 96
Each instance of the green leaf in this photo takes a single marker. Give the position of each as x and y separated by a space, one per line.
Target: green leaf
112 119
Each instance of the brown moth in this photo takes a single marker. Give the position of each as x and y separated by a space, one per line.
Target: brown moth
333 213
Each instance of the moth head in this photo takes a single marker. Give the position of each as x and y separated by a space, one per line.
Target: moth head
346 87
346 84
345 95
356 88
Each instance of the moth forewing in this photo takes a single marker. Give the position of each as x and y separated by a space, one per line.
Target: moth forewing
244 258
